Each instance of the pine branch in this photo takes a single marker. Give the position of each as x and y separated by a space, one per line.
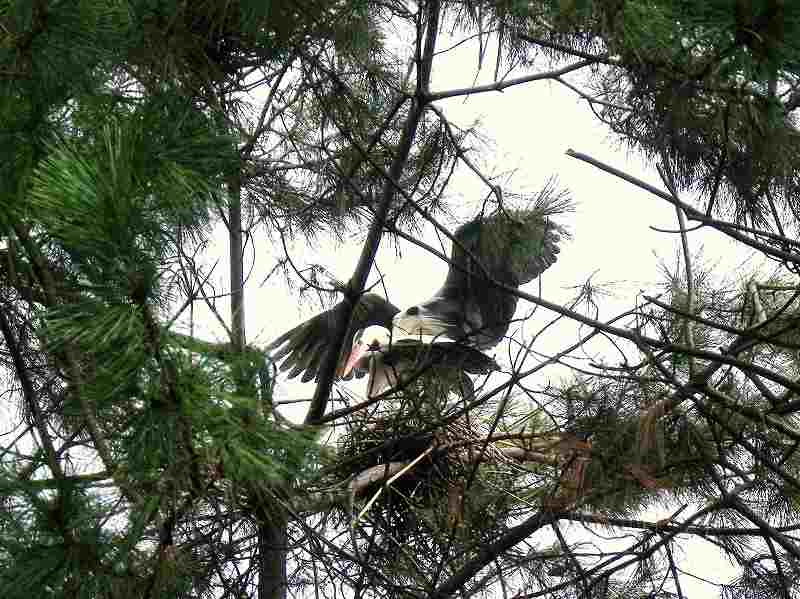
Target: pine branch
666 526
499 86
356 285
729 229
30 395
49 288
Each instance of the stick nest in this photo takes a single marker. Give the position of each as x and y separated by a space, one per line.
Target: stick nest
430 491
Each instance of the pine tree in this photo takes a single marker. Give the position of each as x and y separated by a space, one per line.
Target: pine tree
139 459
129 436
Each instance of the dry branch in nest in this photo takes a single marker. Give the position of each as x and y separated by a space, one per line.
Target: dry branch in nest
405 475
389 458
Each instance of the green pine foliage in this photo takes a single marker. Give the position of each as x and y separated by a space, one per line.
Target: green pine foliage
139 461
110 162
713 95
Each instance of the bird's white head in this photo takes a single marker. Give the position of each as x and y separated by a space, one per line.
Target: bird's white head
366 343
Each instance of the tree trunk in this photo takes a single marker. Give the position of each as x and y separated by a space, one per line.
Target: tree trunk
272 558
271 531
237 269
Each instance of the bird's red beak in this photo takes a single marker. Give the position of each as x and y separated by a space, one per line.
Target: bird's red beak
358 352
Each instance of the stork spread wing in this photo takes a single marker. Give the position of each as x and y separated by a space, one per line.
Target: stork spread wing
447 354
511 247
305 345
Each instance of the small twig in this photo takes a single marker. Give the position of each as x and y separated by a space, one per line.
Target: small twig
729 229
576 564
30 395
689 230
761 315
601 58
189 300
590 99
378 493
499 86
461 154
669 181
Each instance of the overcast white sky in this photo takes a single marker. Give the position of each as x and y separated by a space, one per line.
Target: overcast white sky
531 127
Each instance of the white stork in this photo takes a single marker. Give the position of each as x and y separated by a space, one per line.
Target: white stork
470 310
388 355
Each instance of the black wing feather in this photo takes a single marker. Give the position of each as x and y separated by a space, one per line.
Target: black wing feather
513 249
303 347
